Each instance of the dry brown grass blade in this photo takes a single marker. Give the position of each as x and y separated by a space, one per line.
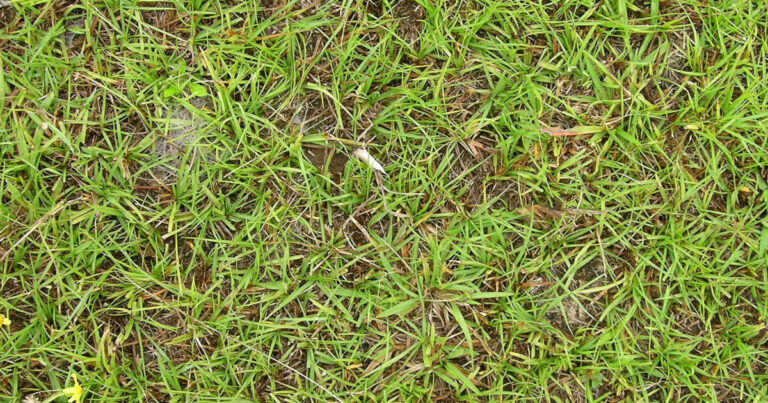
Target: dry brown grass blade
574 131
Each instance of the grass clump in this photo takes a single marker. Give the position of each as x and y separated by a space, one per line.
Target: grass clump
574 207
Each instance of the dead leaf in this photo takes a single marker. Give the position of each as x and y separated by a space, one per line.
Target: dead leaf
474 145
363 155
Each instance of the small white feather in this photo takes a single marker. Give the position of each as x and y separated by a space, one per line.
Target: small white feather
364 156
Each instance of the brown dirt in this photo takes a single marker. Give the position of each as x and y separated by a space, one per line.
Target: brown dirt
409 13
329 160
7 14
576 312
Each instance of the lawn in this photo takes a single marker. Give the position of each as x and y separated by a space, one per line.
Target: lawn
572 207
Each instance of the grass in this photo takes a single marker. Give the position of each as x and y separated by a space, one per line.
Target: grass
180 218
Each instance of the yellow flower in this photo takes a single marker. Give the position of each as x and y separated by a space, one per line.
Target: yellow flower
4 321
75 392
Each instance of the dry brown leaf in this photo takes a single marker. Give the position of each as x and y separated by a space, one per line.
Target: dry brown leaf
474 145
